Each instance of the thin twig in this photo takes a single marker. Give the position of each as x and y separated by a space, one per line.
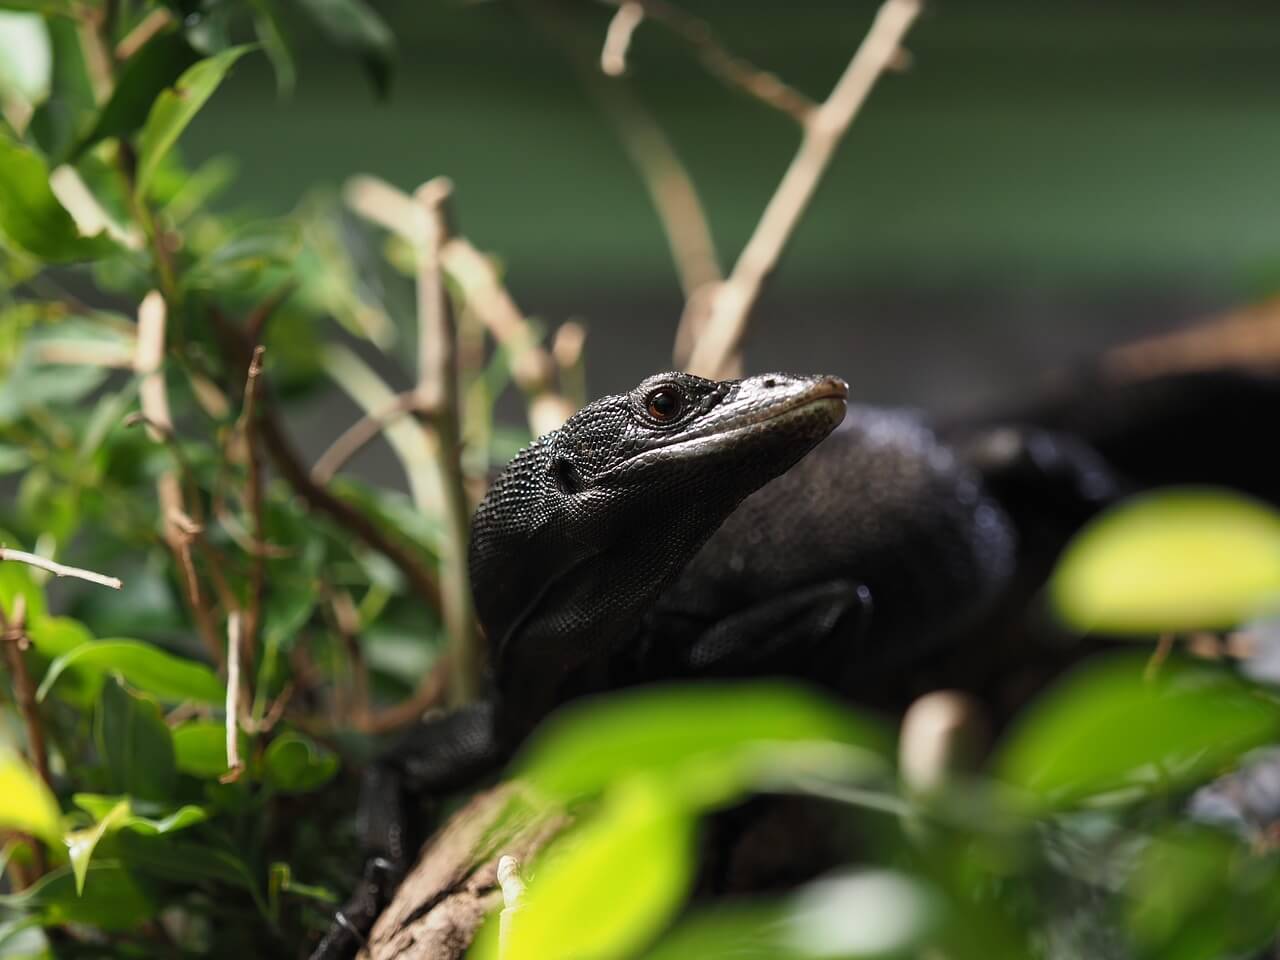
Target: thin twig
430 691
346 623
177 525
258 561
150 25
718 341
288 462
14 639
721 62
437 390
59 569
617 39
670 188
234 765
352 440
483 293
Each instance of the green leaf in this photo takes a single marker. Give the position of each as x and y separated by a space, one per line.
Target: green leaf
145 75
175 108
188 863
16 580
32 217
708 742
738 931
1108 727
606 889
137 745
356 26
12 459
115 813
295 764
28 804
1198 895
81 843
145 667
111 902
1171 561
70 106
201 748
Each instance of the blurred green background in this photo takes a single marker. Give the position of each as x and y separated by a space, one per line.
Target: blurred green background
1045 179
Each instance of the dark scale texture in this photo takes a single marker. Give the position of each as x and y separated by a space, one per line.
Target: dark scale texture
881 504
589 523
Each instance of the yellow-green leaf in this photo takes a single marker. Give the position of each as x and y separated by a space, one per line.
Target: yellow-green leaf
28 804
177 106
81 843
32 217
1110 726
607 889
145 667
1174 560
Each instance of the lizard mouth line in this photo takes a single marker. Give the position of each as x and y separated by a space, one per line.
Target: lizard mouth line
829 396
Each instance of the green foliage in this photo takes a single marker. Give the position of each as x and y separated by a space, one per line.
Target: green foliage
148 825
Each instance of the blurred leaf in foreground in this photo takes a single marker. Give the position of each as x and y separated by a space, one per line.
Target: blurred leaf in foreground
708 743
605 889
1109 726
27 805
1175 560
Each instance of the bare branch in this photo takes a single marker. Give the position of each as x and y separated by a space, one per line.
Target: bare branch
258 563
14 639
286 459
437 390
352 440
59 569
617 39
731 69
717 344
154 399
483 293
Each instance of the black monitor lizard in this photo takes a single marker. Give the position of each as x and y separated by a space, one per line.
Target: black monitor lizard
756 527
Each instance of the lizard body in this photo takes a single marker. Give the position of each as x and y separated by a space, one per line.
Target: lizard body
692 528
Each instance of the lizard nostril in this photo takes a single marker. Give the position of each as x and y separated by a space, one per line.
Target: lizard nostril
770 382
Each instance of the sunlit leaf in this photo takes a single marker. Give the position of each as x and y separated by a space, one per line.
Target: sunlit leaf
81 843
295 764
862 913
1169 561
176 107
1109 726
32 217
608 888
706 741
145 667
136 743
28 804
26 60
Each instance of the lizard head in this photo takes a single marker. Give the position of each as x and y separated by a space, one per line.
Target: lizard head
585 525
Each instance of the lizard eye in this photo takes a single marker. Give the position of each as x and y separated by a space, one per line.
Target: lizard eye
664 404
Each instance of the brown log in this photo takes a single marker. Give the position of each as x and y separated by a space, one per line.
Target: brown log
446 897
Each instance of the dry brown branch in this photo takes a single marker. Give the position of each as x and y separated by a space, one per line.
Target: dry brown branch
346 623
722 63
13 638
426 696
59 569
155 21
454 885
483 294
437 390
617 39
670 188
289 463
720 334
1247 338
234 765
154 399
354 439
